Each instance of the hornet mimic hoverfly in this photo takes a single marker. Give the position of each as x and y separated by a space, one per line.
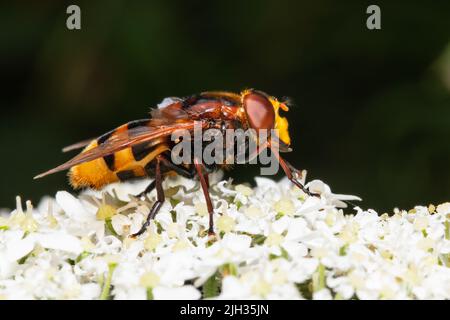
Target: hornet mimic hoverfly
142 148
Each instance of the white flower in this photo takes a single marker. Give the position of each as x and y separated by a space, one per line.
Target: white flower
18 246
233 288
59 241
323 294
180 293
272 241
324 190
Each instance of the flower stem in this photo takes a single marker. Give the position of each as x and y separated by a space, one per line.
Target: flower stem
110 227
319 278
105 295
149 293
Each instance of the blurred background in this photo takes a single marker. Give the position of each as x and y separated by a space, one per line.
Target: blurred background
372 108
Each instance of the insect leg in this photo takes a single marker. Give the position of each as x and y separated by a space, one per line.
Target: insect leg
159 198
206 175
171 166
296 172
199 167
292 173
182 171
149 189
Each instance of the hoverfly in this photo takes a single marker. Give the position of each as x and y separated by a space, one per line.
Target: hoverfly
142 148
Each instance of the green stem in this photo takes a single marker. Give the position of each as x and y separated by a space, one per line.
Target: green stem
228 269
149 293
110 227
319 278
107 285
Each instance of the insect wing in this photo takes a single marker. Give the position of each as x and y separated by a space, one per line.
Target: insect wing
123 140
173 112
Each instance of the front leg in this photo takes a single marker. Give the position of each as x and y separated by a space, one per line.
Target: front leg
297 173
292 175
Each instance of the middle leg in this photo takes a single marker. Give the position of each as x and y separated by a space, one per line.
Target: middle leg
204 183
159 198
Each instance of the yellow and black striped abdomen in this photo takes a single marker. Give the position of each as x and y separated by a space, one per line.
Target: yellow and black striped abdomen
98 173
120 166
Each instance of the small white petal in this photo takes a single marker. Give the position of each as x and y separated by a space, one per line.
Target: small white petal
72 206
323 294
19 248
180 293
232 288
119 221
7 266
60 241
237 243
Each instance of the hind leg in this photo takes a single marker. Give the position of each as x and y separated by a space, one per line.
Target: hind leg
167 165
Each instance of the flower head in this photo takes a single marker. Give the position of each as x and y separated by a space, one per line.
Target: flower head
273 241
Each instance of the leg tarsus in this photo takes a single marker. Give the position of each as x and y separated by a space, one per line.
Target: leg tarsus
303 188
292 173
297 173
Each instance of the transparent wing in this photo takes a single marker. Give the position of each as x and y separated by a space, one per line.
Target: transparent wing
171 113
124 139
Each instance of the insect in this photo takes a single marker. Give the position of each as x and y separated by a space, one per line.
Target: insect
142 148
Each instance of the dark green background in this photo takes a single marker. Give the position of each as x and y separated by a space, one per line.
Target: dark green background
372 113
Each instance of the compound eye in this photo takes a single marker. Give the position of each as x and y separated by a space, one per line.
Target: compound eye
259 111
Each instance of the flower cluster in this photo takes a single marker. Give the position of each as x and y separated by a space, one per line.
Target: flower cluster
272 242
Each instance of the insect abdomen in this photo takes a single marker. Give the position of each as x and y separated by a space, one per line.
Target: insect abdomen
94 174
120 166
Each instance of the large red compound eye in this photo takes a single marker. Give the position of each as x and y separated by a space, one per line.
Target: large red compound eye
259 110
